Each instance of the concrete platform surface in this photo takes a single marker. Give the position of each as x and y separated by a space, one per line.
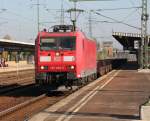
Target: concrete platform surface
116 96
144 70
12 66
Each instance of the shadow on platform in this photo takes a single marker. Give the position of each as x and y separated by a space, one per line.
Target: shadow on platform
94 115
129 66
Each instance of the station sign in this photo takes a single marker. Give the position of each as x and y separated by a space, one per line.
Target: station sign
136 44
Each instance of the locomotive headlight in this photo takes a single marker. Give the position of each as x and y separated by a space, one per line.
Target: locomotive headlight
72 67
57 53
42 67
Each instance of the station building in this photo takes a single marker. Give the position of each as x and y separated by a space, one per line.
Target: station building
12 51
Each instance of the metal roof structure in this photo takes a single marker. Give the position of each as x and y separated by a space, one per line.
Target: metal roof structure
13 45
127 39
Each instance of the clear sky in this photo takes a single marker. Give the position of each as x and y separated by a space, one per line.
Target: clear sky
18 18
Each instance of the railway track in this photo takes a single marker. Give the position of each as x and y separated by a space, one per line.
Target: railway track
15 95
24 109
9 81
19 101
21 105
14 87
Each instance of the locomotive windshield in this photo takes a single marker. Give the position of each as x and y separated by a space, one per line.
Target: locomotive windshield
57 43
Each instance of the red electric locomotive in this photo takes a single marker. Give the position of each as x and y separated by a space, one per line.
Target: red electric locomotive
64 55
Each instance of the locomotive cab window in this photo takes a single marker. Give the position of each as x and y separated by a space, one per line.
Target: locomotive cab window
58 43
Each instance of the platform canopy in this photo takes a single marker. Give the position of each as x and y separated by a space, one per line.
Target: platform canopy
12 45
127 40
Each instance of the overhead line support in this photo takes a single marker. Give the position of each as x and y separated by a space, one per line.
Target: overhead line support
144 38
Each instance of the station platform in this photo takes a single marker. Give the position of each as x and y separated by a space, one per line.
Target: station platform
13 66
116 96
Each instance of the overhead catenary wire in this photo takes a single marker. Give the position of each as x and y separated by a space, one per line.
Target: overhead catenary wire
117 20
134 5
114 9
7 11
104 21
8 19
129 15
38 4
67 4
18 15
61 16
